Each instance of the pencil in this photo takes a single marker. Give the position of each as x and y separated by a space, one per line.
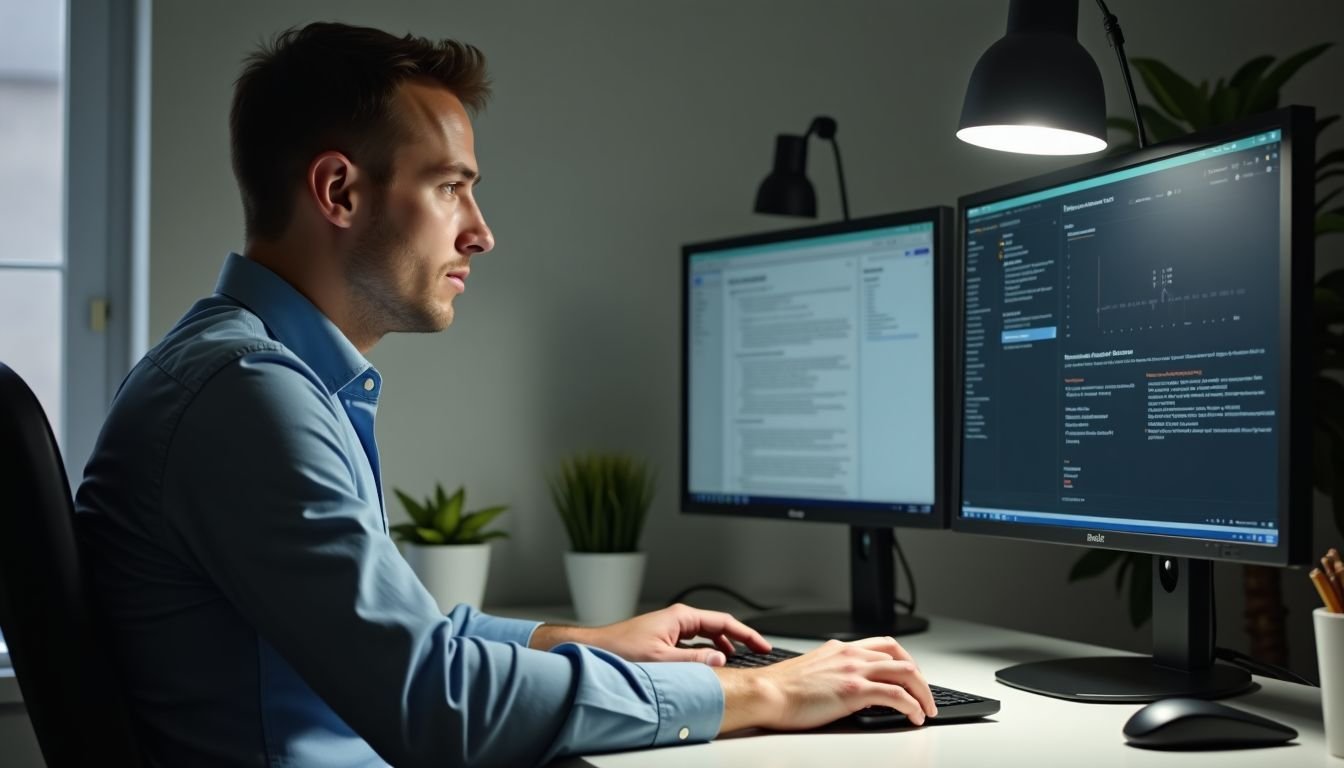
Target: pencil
1327 594
1339 582
1332 576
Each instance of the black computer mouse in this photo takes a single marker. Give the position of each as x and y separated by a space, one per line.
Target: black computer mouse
1200 724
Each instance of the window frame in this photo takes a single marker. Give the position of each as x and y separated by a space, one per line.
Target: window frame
106 212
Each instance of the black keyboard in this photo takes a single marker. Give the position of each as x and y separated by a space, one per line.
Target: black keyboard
953 706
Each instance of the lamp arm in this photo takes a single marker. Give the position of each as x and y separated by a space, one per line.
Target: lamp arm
1117 40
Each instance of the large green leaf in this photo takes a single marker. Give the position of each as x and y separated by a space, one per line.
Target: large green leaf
404 531
1338 498
1323 461
1330 223
1141 590
1126 565
1181 99
1224 105
1159 126
1332 281
1324 201
1265 95
473 523
429 536
1093 563
419 513
1248 75
449 515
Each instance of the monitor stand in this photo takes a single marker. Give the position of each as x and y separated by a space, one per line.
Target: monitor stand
1182 661
872 572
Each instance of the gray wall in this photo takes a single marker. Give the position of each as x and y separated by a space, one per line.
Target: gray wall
619 131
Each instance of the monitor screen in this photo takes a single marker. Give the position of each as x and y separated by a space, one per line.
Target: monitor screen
1126 349
813 381
811 372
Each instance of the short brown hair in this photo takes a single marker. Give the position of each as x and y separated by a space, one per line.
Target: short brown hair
325 87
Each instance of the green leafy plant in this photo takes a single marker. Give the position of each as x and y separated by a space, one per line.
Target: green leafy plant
439 520
603 501
1183 107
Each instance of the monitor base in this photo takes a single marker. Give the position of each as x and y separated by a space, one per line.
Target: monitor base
834 625
1122 679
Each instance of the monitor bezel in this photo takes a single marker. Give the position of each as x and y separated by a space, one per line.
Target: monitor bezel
1296 268
942 219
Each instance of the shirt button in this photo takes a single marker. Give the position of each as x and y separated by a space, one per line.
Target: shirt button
683 733
368 385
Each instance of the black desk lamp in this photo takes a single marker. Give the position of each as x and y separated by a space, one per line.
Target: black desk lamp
1037 90
786 191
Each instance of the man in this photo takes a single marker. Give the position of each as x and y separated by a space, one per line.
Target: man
232 511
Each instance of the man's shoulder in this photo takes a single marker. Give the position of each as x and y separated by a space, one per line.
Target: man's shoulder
212 335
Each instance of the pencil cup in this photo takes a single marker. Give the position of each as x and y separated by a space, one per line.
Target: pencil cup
1330 659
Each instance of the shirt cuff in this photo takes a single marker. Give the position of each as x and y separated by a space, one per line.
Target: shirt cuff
690 701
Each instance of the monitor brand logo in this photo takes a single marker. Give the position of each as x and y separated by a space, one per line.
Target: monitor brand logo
796 514
1096 538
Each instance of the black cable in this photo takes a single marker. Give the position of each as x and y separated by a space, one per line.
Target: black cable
824 127
1117 40
1248 663
1257 667
682 595
909 575
840 172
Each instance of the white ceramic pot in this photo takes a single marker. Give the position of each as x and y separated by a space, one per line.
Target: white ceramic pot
453 573
604 585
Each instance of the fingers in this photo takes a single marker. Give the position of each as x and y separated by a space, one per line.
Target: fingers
887 645
899 699
712 624
895 673
904 682
725 644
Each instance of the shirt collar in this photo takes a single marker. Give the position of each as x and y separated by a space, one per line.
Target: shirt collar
293 320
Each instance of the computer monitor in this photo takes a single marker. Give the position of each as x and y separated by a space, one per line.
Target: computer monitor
1134 358
813 375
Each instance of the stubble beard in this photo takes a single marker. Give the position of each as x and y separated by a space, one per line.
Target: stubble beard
380 303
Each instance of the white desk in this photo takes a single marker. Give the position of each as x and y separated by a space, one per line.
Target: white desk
1029 730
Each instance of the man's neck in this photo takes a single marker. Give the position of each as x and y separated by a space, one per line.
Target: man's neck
320 283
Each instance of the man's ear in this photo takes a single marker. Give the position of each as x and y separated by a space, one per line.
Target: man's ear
332 188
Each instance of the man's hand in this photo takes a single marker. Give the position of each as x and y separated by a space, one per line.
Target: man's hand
655 636
824 685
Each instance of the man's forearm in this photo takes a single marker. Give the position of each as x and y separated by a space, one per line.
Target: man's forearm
547 636
747 700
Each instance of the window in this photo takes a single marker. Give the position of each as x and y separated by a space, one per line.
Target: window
32 249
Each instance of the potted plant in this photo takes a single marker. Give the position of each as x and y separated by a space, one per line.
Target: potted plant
447 548
603 500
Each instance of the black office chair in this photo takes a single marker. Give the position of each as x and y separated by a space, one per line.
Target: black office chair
69 687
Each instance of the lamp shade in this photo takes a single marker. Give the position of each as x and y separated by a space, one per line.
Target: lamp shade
786 191
1036 90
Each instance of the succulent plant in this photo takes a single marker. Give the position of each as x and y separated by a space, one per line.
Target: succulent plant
439 520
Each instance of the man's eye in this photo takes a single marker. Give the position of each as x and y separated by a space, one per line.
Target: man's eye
451 188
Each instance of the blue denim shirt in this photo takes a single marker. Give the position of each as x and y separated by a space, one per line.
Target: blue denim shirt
233 525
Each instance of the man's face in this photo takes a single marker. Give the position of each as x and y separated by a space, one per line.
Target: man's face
424 226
